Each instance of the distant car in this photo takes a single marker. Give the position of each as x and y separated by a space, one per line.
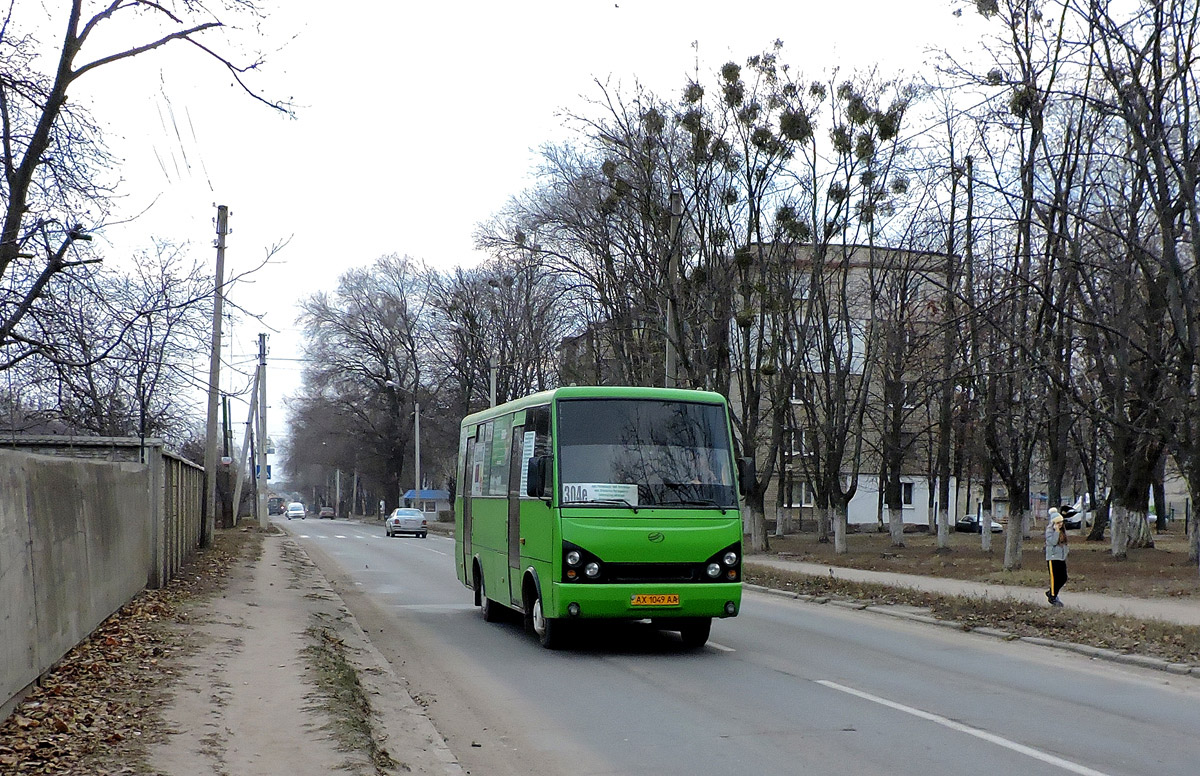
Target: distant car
970 524
276 505
296 509
326 512
406 520
1071 518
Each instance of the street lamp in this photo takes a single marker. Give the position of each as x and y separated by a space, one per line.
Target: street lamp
416 444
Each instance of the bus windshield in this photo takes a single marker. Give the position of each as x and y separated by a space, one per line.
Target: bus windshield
645 453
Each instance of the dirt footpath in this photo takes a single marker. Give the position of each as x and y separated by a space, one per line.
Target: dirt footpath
283 681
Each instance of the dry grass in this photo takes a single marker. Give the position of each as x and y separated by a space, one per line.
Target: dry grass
1177 643
1162 571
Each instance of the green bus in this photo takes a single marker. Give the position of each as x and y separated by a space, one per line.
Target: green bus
594 503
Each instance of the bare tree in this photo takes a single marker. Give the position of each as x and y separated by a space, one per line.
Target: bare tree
54 161
1149 64
120 355
366 344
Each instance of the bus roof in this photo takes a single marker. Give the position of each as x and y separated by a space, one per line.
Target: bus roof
595 392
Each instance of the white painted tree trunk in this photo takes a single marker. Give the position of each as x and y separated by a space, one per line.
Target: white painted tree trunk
758 530
1194 552
896 526
1129 529
1012 540
1118 526
839 530
985 523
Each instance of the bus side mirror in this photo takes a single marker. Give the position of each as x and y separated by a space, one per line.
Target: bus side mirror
747 476
537 476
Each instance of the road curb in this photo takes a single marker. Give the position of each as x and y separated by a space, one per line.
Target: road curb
399 724
1097 653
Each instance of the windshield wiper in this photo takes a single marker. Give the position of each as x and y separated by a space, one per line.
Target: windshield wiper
619 501
693 502
676 487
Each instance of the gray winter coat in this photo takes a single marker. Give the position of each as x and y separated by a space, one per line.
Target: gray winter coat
1054 549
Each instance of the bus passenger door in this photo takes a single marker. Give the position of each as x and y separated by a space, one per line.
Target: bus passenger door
516 459
467 492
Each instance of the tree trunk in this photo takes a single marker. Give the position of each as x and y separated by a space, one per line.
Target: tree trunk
1100 521
1194 545
1118 520
985 529
758 522
896 526
823 523
1012 536
839 529
1138 533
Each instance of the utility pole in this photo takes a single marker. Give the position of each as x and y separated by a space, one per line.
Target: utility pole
242 461
417 444
262 432
492 381
214 378
673 270
225 519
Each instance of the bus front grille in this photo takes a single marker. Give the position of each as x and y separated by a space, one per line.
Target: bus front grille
651 572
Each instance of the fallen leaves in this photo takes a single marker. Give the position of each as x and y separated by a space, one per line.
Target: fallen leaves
94 712
1153 638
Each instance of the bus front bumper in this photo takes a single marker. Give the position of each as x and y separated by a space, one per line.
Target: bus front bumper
636 602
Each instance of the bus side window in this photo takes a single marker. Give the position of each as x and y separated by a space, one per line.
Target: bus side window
537 441
537 420
500 451
481 460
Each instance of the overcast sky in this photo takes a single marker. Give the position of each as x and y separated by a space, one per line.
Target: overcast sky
416 121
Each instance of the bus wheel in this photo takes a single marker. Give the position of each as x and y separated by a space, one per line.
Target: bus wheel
550 631
695 633
490 609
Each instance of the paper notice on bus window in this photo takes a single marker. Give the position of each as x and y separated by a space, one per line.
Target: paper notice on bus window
600 491
526 453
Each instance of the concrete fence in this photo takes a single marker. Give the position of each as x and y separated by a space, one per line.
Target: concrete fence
85 525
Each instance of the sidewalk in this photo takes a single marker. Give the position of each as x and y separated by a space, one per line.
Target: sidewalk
250 698
1178 611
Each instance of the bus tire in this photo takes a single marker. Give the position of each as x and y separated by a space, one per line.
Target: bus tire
490 609
694 634
550 631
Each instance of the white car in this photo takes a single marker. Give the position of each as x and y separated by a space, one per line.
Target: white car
295 509
406 520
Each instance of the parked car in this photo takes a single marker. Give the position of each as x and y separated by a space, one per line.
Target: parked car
1071 518
406 520
970 524
276 505
326 512
296 509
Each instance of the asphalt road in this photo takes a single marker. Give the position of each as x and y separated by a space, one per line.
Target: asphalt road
787 687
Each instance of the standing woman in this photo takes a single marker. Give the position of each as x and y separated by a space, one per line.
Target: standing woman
1056 555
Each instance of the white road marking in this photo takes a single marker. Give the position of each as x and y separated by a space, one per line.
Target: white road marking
1029 751
339 536
721 647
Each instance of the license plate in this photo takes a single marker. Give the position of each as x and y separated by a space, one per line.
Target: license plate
643 599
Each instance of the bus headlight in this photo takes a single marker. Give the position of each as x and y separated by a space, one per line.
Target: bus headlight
579 565
724 566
